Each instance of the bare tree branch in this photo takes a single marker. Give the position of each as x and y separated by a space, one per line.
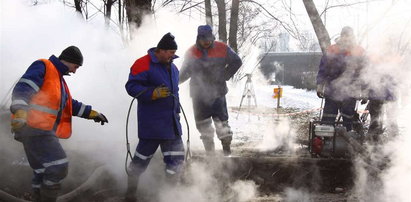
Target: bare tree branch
282 23
190 7
340 5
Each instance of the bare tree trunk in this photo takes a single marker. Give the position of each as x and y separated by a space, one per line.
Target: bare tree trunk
222 20
234 25
120 16
77 4
209 15
107 15
319 28
136 9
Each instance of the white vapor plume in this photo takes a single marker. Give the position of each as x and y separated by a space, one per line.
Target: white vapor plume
204 186
29 33
279 134
32 32
294 195
389 51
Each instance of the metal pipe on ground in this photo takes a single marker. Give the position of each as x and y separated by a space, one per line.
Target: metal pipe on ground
98 175
4 196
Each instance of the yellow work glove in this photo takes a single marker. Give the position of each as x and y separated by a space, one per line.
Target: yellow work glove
98 117
160 92
19 120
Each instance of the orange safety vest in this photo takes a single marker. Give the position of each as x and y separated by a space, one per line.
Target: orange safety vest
356 51
46 104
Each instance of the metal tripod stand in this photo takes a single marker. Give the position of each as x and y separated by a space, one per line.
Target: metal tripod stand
249 93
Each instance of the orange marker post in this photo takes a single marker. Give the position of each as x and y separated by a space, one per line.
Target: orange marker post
278 93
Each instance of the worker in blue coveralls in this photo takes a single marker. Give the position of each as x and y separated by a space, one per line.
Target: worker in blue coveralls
42 108
379 99
210 64
153 80
338 78
381 91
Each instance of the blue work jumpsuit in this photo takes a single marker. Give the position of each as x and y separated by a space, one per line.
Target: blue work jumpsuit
158 120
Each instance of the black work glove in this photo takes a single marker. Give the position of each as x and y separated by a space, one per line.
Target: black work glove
320 90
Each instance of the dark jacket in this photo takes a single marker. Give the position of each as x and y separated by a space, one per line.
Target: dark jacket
29 85
209 70
383 87
157 119
339 71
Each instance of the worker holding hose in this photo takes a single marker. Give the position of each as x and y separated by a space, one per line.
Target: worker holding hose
153 80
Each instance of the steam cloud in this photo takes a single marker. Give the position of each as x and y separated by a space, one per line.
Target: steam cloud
389 52
29 33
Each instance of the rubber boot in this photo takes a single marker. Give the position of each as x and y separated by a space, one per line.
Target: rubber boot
49 194
226 142
132 185
36 197
209 146
172 179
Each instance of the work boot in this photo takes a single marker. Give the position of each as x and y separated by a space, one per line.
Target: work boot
226 150
132 184
172 179
49 194
226 142
209 146
35 196
48 199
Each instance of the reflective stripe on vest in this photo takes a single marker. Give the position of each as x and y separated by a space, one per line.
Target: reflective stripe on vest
45 105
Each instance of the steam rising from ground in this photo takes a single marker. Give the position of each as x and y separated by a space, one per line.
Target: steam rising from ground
389 48
281 135
297 195
29 33
210 185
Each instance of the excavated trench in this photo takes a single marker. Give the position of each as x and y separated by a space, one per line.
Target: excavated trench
89 180
272 175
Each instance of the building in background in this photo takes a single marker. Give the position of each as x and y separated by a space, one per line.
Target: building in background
284 41
297 69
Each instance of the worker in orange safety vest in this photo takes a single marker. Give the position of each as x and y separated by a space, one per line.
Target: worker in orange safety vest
42 108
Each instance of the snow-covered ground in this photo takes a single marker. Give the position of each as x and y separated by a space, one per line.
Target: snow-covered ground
25 37
251 123
259 127
292 97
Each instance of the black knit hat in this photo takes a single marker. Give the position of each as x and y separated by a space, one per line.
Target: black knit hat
72 54
167 42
